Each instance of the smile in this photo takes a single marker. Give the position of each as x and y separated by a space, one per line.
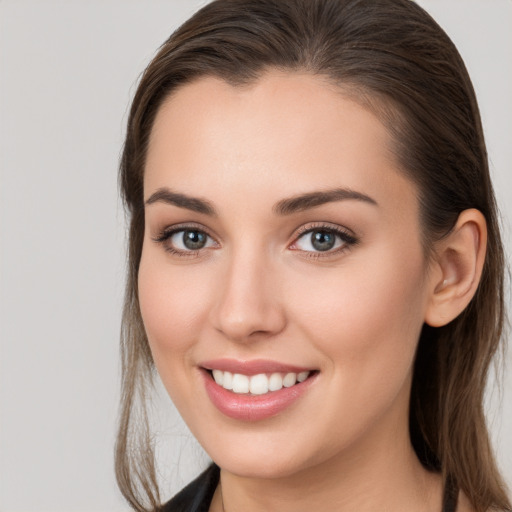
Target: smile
255 390
259 384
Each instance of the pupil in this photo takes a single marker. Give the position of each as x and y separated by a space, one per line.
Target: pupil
322 240
194 240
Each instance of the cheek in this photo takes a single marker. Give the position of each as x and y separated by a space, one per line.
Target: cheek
171 302
365 324
172 308
366 315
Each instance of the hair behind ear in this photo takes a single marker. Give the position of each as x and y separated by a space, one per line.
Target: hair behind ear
458 341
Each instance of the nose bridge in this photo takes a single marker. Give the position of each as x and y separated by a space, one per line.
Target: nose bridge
248 300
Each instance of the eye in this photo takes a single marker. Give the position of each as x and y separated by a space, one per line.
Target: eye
189 239
181 241
323 240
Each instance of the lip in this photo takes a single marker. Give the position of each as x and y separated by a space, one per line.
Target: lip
253 367
251 408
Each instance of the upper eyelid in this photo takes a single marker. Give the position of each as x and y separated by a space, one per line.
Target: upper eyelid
176 228
327 226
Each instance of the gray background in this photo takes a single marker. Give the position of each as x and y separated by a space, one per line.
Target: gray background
67 72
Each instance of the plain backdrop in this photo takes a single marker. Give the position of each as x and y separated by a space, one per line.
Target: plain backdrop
68 69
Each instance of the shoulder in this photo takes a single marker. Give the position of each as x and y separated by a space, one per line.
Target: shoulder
197 495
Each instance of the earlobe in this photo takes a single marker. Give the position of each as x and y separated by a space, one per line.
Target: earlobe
459 262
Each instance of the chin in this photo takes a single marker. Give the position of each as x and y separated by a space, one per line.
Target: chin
262 458
259 466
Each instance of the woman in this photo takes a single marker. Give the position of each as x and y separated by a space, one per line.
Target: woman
315 265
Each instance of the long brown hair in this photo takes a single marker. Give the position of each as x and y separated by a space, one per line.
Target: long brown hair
393 57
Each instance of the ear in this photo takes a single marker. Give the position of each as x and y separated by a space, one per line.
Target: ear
457 267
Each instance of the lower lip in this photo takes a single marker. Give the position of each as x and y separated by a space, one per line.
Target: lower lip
254 407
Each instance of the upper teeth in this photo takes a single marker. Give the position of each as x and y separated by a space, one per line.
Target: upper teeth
257 384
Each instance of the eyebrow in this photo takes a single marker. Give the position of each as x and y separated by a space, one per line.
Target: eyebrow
284 207
164 195
313 199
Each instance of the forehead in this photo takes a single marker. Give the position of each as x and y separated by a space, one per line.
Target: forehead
292 104
286 133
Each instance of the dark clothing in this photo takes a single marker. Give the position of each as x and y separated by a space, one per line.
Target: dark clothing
197 495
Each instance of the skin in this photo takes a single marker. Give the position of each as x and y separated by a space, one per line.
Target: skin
260 290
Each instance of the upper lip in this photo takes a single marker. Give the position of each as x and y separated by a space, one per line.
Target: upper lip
252 367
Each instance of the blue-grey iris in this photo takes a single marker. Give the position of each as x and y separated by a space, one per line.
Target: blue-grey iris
194 240
323 240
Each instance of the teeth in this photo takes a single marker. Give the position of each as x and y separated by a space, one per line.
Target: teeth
302 376
289 380
227 380
240 383
218 376
275 383
257 384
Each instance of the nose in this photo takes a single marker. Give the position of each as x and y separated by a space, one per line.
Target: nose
248 305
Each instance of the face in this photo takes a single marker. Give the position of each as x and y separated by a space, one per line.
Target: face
282 282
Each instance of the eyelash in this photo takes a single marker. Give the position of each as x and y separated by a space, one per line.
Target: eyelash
348 240
165 235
